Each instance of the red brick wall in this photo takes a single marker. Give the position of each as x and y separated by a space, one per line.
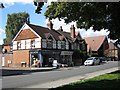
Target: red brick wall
7 48
20 56
6 58
26 34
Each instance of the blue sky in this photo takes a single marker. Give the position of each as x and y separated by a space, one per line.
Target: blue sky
14 6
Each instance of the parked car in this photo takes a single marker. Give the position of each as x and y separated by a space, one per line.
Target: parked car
92 61
102 59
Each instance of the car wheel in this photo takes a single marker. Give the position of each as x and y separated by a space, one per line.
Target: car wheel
93 63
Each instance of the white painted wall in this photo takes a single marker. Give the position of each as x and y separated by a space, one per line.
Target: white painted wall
28 44
22 44
38 43
15 45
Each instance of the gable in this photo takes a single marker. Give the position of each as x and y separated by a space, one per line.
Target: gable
95 42
26 34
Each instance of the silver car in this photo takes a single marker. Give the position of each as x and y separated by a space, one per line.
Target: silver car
92 61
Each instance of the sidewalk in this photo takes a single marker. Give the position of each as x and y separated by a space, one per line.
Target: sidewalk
9 71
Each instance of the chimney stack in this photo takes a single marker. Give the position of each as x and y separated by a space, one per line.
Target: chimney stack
50 25
72 31
60 28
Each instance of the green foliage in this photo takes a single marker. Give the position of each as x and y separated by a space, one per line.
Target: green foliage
78 54
39 6
14 23
99 15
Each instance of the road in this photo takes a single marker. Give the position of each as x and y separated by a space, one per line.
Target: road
48 76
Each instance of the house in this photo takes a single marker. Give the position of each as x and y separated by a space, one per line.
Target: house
44 44
97 46
117 44
6 55
113 51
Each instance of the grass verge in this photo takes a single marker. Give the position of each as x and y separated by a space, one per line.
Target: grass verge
109 81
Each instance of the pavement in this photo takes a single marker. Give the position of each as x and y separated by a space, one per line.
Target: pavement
57 83
10 71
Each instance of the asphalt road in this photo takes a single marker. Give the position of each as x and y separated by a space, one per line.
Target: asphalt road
43 77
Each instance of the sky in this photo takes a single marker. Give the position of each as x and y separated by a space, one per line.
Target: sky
15 6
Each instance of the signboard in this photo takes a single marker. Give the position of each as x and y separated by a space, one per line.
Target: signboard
66 52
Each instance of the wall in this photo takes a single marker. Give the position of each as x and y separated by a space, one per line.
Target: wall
7 58
7 47
20 56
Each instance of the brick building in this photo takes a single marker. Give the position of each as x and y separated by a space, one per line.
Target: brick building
44 44
97 46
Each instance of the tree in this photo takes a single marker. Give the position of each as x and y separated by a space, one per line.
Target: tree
14 23
97 14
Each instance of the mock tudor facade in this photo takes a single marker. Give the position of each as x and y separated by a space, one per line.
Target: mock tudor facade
44 44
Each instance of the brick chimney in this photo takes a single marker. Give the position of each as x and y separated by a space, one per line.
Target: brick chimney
72 31
60 28
50 25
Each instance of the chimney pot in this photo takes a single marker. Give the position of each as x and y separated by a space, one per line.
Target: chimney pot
72 31
50 25
60 28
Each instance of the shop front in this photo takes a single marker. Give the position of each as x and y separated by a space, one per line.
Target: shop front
44 57
66 58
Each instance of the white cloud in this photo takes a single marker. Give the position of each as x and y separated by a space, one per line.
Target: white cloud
2 34
66 27
1 42
2 31
11 2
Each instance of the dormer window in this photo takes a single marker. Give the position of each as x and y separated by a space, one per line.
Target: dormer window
19 45
33 44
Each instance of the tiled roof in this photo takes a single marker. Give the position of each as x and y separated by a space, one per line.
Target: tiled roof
68 35
94 42
43 31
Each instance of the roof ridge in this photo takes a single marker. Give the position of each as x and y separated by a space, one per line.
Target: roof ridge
37 25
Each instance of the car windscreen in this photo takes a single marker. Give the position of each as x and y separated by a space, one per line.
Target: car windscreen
90 59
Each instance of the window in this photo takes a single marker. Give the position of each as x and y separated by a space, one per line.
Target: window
63 45
67 45
49 43
54 44
72 46
33 44
44 43
19 45
59 45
